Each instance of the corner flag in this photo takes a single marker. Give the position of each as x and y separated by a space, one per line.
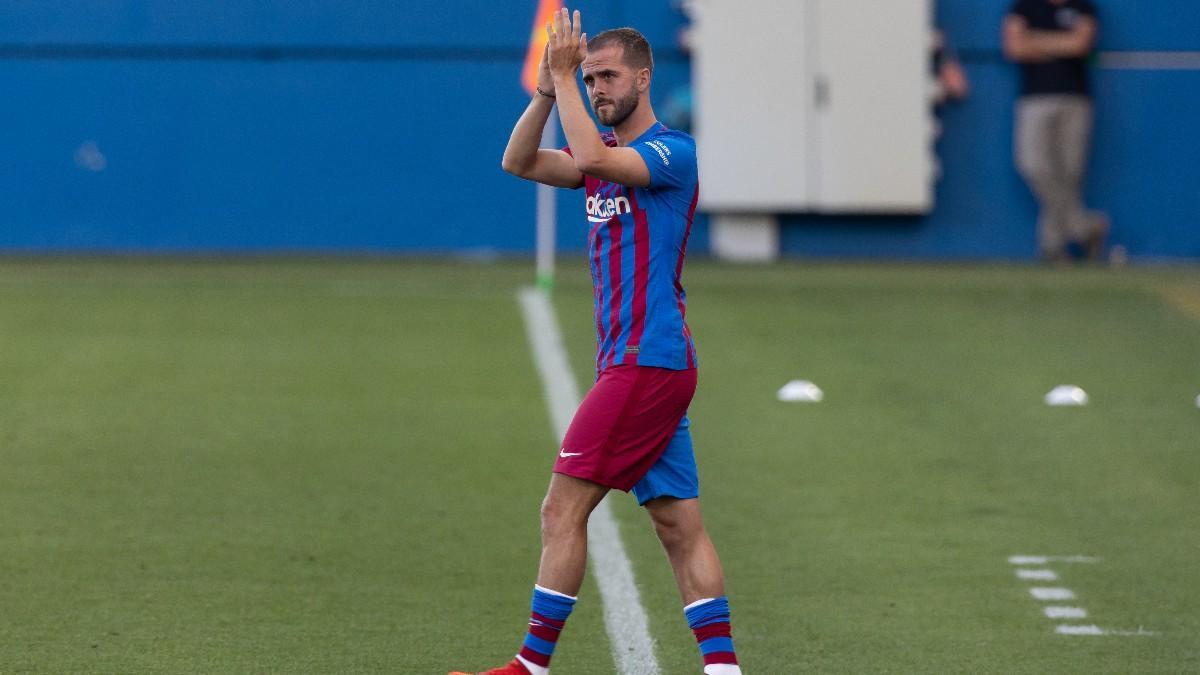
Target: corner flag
537 42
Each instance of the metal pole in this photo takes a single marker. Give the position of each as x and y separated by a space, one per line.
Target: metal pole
546 216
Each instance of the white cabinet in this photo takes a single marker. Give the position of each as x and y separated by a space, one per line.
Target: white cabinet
814 105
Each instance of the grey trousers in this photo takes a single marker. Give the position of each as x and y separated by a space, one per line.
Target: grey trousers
1051 143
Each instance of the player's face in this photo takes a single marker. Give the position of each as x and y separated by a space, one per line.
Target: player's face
611 85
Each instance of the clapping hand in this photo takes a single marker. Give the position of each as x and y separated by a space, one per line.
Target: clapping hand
567 46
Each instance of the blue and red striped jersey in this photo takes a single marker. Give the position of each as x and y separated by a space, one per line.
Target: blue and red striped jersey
636 244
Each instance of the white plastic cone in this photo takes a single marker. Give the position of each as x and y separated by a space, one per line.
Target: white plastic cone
800 391
1065 395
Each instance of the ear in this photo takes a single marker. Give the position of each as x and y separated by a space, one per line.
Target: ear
643 80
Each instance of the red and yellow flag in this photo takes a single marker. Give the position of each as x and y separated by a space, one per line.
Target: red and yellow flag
537 42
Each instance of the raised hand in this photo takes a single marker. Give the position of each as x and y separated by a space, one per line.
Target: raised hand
567 45
545 80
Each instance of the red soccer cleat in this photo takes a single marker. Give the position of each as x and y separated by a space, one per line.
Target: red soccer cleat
514 668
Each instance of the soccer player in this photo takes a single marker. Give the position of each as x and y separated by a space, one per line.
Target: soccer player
631 431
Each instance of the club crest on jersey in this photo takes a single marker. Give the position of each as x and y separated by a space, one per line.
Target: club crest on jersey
600 210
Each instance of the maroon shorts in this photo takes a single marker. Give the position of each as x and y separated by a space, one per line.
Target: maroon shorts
624 424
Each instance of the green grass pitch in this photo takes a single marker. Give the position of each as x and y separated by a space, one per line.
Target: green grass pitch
335 467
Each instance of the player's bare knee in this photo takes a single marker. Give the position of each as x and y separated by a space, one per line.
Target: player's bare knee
550 517
676 533
558 518
668 533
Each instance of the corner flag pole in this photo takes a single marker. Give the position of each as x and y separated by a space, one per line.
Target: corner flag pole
546 213
546 219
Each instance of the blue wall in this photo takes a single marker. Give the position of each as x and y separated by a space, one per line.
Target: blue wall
325 126
294 125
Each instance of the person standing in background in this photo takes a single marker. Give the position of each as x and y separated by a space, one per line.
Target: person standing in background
1051 40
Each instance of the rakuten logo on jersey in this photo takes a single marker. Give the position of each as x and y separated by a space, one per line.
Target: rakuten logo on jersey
601 210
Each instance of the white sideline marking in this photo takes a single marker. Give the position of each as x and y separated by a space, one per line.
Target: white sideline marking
1065 612
1038 575
1044 559
624 616
1052 593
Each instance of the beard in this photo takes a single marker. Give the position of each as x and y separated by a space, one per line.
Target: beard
618 110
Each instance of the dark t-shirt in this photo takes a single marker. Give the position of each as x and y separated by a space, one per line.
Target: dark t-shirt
1060 76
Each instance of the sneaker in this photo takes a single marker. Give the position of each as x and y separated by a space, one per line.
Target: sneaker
514 668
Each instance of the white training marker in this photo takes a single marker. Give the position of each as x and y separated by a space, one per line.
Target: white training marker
800 391
1198 401
1062 612
1037 575
1045 559
1075 559
1042 593
1139 631
1066 395
1056 612
1067 629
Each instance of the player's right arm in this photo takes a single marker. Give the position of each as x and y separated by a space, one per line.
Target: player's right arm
523 157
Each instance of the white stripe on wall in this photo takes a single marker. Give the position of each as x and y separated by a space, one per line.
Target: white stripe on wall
1149 60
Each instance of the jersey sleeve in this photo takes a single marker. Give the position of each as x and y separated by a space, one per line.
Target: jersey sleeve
1087 8
671 161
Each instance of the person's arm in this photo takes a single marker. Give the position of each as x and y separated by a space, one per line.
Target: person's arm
621 165
1074 43
1018 43
524 158
1025 45
953 79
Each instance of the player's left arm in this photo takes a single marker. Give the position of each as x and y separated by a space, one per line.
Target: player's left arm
621 165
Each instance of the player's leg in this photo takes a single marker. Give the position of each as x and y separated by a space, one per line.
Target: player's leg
569 501
694 560
670 492
565 510
582 477
701 582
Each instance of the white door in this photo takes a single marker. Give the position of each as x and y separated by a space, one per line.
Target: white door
872 126
752 93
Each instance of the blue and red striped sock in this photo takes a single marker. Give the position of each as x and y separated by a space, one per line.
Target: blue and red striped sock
709 620
548 614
